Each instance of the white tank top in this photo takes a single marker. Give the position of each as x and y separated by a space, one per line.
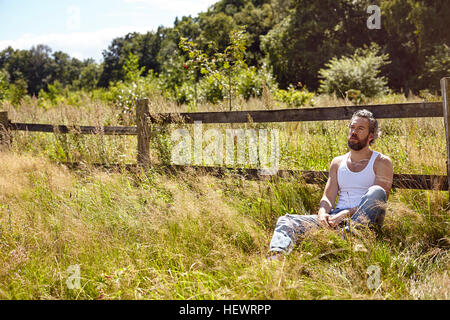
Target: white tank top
353 185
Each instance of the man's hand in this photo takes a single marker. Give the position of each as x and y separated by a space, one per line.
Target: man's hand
336 219
323 218
329 194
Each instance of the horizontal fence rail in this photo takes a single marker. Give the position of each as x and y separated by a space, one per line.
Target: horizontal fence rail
408 110
385 111
401 181
388 111
73 129
144 119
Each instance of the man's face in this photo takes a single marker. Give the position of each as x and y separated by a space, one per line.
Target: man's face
358 134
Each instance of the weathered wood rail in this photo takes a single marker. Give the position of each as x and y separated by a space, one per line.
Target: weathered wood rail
144 119
32 127
401 181
386 111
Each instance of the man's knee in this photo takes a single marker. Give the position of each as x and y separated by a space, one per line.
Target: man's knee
284 222
373 206
283 219
376 193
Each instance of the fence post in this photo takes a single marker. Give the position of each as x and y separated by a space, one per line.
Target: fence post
445 89
143 132
4 130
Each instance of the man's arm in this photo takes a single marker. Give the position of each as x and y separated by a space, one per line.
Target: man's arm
384 173
329 194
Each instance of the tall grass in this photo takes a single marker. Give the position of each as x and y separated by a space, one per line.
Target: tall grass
155 235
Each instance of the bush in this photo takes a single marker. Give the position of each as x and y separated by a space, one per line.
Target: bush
250 80
437 66
184 93
249 83
125 93
55 95
358 72
3 85
17 91
293 97
211 88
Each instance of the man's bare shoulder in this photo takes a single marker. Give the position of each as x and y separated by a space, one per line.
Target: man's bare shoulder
383 161
336 162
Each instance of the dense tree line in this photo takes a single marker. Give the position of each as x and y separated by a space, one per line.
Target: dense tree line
293 38
38 67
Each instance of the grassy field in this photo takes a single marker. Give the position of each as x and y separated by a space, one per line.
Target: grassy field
154 235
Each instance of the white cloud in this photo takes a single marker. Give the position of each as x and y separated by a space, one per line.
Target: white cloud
81 45
177 7
90 44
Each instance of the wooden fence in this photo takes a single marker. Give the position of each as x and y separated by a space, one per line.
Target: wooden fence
144 119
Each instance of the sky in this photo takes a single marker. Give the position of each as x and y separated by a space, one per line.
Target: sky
84 28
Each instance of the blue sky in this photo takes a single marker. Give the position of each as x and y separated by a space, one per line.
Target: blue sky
84 28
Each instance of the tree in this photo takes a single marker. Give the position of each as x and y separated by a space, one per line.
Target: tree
359 72
312 33
437 66
187 27
145 46
215 28
222 73
114 58
64 68
131 69
89 76
37 68
33 66
258 21
3 84
413 29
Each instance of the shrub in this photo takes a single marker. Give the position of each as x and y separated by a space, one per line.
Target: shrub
125 93
55 94
293 97
17 91
3 85
437 66
249 81
359 71
211 88
184 93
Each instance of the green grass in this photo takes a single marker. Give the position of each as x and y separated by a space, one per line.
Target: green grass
154 235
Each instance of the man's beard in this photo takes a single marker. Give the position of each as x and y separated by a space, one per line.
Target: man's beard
357 145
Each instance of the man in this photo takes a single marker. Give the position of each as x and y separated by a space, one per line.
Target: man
363 179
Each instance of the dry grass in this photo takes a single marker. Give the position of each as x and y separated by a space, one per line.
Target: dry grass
153 235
